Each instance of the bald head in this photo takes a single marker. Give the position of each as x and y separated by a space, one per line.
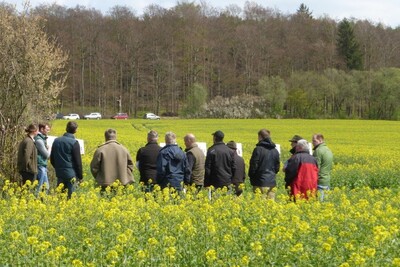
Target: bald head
189 140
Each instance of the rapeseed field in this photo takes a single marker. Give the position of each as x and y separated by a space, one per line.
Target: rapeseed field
357 224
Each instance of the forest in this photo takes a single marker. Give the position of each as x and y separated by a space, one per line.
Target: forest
195 60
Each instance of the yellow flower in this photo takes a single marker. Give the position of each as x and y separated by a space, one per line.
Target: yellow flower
396 262
77 263
152 241
32 240
15 235
245 260
370 252
326 247
122 238
211 255
170 252
297 248
112 255
141 254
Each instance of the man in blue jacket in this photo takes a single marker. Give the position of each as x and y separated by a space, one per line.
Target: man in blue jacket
264 165
66 159
171 164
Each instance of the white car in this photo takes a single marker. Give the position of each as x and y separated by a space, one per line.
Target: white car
71 116
151 116
93 115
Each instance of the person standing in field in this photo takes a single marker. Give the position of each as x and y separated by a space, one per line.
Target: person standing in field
264 165
324 157
293 143
302 172
146 161
220 164
66 159
27 155
196 161
240 173
171 164
112 161
43 156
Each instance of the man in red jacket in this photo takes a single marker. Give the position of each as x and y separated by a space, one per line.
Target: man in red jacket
301 173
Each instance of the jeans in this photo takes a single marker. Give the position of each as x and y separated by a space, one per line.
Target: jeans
68 183
43 180
321 191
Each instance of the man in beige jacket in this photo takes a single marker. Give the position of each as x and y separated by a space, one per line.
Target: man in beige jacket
112 162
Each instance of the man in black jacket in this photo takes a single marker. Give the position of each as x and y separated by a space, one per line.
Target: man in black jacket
264 165
240 173
220 164
146 160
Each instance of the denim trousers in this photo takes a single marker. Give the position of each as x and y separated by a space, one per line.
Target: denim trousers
43 179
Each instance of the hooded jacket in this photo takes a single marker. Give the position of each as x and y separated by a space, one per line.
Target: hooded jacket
171 167
112 162
264 164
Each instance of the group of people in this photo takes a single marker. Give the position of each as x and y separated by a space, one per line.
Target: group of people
170 166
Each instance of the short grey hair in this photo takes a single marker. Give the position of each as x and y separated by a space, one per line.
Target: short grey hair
152 136
110 134
302 144
170 138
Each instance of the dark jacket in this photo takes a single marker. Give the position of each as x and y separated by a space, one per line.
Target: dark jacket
42 152
264 164
27 156
240 173
196 161
220 166
171 167
66 158
302 174
147 160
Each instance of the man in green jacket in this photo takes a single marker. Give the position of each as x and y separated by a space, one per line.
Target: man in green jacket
324 158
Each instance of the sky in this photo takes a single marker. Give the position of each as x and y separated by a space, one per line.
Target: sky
377 11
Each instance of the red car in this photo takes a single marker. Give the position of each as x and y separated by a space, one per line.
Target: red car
120 116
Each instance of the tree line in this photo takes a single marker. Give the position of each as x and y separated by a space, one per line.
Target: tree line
152 61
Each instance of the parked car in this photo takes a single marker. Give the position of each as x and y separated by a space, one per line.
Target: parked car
71 116
151 116
93 116
120 116
59 116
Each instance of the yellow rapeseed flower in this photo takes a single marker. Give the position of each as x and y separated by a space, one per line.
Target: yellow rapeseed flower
211 255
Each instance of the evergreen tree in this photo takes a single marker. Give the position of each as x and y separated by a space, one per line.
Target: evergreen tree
304 11
348 47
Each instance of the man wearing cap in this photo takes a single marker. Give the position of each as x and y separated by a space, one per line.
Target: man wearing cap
220 163
240 174
293 143
264 165
146 161
302 172
324 158
196 160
